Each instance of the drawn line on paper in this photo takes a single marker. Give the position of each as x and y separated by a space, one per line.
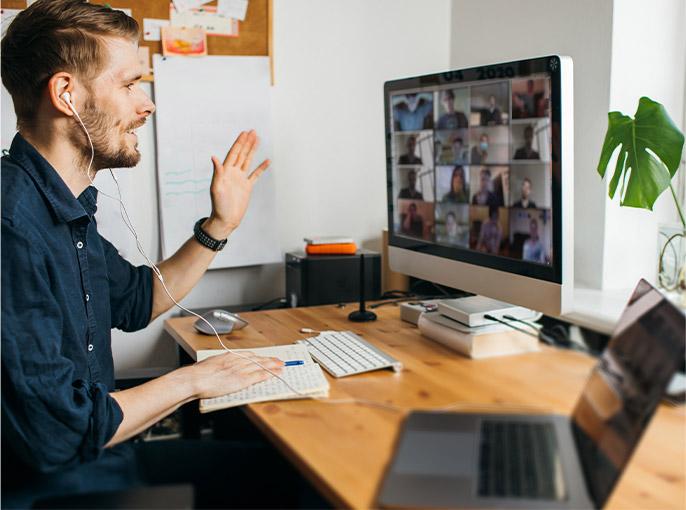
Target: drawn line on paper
174 193
186 181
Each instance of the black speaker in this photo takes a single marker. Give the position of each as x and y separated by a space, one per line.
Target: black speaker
326 279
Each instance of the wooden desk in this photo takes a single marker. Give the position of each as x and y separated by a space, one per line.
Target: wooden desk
344 449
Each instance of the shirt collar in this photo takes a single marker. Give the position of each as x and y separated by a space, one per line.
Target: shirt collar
65 206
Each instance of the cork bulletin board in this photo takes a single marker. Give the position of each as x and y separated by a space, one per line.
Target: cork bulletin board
254 34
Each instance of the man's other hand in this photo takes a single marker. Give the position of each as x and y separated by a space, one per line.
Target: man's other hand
228 373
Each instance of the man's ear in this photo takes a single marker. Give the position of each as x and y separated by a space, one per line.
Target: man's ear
57 85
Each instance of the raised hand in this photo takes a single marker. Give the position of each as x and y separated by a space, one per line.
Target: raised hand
232 181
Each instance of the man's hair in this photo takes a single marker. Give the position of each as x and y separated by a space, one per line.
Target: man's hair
53 36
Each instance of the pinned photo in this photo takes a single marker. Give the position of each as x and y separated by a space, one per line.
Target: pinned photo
182 41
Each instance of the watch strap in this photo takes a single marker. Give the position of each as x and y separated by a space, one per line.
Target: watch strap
205 239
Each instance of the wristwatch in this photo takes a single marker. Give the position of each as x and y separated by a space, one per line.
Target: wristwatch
205 239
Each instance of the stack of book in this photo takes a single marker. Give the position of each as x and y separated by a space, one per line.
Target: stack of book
332 245
476 342
480 327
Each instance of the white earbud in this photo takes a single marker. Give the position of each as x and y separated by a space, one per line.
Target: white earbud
67 99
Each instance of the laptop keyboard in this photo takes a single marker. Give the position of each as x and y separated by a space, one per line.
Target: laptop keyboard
519 460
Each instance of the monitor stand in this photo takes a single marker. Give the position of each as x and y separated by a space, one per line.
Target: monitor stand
472 310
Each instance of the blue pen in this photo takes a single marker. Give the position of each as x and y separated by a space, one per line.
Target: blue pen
293 363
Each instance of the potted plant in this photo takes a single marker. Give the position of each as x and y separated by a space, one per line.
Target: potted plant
649 157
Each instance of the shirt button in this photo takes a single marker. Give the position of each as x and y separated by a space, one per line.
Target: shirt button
90 347
88 297
79 245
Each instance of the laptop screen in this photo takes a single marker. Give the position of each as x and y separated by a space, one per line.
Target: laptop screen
626 386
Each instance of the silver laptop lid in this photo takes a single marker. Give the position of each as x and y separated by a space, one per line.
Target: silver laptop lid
626 386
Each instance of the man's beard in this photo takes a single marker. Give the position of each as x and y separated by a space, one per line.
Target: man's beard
103 131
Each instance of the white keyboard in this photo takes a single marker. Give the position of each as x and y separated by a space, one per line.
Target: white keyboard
344 353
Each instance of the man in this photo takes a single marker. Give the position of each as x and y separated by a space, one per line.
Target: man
533 250
411 191
412 223
484 195
64 429
414 113
480 151
452 119
460 155
491 116
410 158
490 233
527 151
524 202
524 104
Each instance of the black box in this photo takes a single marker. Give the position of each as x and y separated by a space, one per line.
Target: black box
325 279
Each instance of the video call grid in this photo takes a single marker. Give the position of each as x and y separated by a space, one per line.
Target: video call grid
472 116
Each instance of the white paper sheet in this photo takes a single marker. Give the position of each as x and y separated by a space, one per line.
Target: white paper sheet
232 8
202 106
152 28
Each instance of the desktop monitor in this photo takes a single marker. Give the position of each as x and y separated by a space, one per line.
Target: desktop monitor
480 180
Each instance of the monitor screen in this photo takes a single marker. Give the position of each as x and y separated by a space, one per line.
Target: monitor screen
473 166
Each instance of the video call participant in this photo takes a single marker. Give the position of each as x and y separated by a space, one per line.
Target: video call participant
413 114
460 154
533 250
452 119
524 104
409 158
451 226
490 233
492 115
64 287
458 192
410 191
524 201
480 151
484 196
527 151
412 223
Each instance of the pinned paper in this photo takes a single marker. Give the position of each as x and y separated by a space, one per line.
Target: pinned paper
6 17
205 18
151 28
183 41
187 5
232 8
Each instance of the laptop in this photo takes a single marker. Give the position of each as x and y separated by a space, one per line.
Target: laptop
448 460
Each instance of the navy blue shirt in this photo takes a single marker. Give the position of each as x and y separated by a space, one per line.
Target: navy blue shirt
63 288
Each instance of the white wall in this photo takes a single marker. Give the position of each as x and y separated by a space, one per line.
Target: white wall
652 65
491 31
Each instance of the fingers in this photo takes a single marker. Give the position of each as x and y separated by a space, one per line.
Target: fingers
258 171
245 164
235 150
247 149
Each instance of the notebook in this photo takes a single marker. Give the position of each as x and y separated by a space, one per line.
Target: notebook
307 378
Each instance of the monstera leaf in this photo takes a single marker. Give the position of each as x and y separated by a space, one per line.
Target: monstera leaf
649 155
